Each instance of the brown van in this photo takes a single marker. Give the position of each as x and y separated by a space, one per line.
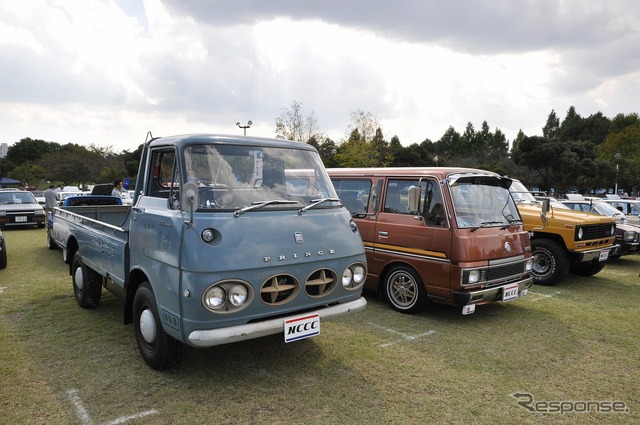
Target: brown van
449 235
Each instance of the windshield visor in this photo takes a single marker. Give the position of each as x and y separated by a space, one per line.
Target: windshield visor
483 201
233 177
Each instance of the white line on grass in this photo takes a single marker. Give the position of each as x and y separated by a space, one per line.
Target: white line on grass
405 337
2 288
538 296
85 418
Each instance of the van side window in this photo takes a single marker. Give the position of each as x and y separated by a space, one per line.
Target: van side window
354 194
396 199
433 206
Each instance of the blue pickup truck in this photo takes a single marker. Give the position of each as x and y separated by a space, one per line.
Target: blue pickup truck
220 245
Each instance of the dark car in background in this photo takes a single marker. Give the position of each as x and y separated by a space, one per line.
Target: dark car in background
3 252
20 208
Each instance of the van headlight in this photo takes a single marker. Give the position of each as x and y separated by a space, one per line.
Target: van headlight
474 276
528 265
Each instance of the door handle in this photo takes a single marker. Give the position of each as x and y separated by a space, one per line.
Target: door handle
383 233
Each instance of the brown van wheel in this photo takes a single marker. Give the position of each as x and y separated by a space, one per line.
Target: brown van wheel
404 290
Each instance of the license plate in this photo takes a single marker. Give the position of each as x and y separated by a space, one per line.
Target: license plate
301 327
604 254
21 219
510 292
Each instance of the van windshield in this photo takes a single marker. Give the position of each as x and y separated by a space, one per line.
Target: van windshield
483 201
233 177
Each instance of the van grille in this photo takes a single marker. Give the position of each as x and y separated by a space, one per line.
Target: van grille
320 283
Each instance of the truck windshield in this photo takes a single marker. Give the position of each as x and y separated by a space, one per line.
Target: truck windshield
521 194
482 201
235 177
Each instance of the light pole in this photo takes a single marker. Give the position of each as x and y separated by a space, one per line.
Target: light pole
244 127
617 158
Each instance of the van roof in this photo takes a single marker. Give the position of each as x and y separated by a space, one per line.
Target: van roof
440 172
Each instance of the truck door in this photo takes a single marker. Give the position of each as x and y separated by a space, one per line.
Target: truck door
156 220
420 238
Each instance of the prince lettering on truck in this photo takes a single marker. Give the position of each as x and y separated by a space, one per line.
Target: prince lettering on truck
218 246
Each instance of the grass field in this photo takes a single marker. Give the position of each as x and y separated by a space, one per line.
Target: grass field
560 347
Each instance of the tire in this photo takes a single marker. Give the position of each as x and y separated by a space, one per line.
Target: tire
3 254
50 243
587 269
404 290
550 262
156 347
86 283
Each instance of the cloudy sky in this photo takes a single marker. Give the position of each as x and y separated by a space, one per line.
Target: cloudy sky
105 72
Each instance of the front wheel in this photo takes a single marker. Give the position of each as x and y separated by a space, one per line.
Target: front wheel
86 283
156 347
550 262
404 290
587 269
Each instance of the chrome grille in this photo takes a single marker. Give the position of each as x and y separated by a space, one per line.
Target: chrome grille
320 283
279 289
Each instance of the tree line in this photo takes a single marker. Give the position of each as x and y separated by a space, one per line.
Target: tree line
575 153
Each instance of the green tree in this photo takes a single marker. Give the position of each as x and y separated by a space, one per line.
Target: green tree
550 129
293 124
28 172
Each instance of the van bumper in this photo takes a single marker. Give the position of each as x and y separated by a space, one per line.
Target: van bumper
487 295
213 337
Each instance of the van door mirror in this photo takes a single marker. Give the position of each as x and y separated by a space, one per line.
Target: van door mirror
188 199
414 198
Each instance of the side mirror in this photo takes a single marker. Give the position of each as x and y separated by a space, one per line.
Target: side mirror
414 198
188 195
545 209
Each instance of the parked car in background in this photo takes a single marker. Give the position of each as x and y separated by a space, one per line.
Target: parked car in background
630 207
3 252
19 208
39 195
627 235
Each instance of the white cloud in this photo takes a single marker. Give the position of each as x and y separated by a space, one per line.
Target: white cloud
107 71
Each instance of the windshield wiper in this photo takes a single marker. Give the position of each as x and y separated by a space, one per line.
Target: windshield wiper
258 205
485 224
316 202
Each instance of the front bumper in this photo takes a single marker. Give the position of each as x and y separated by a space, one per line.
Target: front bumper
594 254
487 295
213 337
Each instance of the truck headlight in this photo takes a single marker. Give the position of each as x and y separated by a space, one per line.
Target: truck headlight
613 229
214 297
354 276
580 233
238 295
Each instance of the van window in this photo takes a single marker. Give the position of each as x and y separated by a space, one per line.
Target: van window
354 194
434 212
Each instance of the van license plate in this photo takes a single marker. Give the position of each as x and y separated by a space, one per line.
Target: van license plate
604 254
301 327
510 292
21 219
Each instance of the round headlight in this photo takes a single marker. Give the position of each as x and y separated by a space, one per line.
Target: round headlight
238 295
474 276
580 233
214 297
359 274
347 276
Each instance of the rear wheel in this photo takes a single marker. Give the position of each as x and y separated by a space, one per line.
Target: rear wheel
550 262
404 290
3 254
87 287
156 347
50 243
